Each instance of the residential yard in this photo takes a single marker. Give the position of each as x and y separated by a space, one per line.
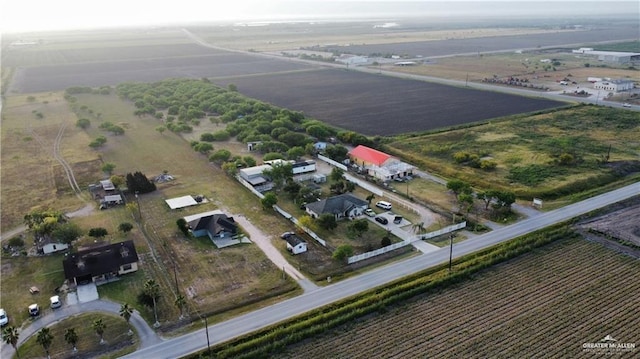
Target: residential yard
117 340
21 273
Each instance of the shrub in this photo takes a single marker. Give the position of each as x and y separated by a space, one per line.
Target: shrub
343 252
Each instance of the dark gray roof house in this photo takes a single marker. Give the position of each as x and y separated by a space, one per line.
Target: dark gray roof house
342 206
101 264
212 224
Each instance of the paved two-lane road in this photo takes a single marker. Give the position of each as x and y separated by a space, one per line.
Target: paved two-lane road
192 342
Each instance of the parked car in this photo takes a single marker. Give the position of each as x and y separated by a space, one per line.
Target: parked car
34 310
286 235
382 220
383 205
3 318
397 219
626 105
369 212
55 302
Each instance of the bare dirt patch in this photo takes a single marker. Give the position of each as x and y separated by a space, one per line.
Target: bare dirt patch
381 105
621 225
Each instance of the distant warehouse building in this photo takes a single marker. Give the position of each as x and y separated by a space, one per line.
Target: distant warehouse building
614 85
348 59
613 57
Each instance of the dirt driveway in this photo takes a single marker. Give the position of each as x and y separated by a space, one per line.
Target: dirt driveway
263 241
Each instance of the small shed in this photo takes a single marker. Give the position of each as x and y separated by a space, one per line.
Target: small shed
320 146
296 245
319 178
107 185
54 247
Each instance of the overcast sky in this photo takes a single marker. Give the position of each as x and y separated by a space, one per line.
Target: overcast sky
36 15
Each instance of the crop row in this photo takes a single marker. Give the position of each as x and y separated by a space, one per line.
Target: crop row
560 312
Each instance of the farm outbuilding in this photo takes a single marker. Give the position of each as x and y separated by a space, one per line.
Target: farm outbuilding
614 85
53 247
320 146
352 59
181 202
112 199
303 167
379 164
255 177
107 185
614 57
296 245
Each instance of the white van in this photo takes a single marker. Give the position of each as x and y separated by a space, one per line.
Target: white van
55 302
384 205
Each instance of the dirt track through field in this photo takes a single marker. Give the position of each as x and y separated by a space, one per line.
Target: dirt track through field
58 157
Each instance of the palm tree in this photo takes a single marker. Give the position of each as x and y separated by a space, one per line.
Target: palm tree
99 326
370 198
125 312
152 289
45 338
180 302
71 337
418 227
10 336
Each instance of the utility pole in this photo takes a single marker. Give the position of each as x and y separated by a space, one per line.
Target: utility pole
451 244
206 326
138 203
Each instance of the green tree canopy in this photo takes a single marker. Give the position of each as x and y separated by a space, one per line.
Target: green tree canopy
220 156
67 232
108 168
327 221
270 199
45 338
71 337
358 227
343 252
98 232
83 123
125 227
99 326
10 336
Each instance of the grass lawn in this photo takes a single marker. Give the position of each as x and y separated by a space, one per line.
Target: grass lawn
117 340
21 273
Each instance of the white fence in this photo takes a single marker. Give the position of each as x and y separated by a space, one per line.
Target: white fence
250 187
394 246
364 184
377 252
440 232
332 162
283 213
